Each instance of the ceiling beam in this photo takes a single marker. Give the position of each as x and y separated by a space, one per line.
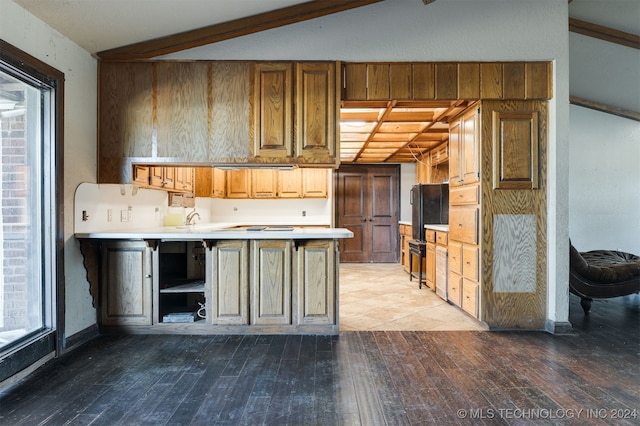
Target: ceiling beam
609 109
604 33
231 29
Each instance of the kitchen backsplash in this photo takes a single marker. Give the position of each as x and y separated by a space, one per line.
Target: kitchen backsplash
112 207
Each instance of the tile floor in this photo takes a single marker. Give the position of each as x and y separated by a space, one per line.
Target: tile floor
380 297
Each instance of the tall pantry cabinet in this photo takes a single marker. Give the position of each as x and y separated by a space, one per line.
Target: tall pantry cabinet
464 212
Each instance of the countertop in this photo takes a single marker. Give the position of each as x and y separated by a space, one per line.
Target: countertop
220 231
441 228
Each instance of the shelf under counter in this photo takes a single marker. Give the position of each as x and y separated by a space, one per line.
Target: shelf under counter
186 287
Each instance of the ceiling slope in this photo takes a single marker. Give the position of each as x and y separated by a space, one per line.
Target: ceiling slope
231 29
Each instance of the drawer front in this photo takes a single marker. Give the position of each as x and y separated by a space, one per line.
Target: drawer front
470 258
430 235
454 288
470 297
463 195
441 238
455 257
463 224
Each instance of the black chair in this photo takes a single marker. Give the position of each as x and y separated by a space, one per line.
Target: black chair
601 274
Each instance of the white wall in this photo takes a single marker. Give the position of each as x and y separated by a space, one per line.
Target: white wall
31 35
604 196
456 30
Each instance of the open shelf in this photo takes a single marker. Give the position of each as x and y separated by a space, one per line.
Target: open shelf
188 287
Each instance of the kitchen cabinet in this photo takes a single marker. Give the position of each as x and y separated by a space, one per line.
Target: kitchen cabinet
270 282
315 277
140 175
464 149
170 111
290 183
184 179
264 183
273 111
126 283
405 236
172 179
238 183
431 263
446 80
315 183
465 212
300 93
161 177
227 269
179 292
210 182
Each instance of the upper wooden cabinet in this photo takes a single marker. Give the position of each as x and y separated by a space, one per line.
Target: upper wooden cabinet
464 149
273 111
215 112
447 80
305 94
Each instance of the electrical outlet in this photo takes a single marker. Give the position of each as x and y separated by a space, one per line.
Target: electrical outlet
304 213
109 215
235 211
129 213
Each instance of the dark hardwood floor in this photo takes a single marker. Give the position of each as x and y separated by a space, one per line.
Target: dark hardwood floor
590 376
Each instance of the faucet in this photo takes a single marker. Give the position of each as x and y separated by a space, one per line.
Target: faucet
190 218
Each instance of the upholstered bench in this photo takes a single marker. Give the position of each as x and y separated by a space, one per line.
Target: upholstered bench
601 274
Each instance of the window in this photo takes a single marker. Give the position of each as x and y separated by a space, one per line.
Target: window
30 143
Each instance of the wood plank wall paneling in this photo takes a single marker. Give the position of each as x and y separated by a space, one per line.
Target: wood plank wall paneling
513 310
182 109
447 80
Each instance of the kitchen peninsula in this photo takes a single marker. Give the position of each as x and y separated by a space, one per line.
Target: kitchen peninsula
215 279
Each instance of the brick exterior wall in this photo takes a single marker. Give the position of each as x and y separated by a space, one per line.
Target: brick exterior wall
15 226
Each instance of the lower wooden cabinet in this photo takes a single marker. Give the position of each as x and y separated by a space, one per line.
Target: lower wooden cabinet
227 271
270 282
126 283
315 277
248 286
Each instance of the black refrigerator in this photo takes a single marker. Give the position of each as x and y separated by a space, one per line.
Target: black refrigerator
429 205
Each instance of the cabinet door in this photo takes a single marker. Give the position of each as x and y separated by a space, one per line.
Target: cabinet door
431 266
471 148
127 277
184 177
227 269
455 151
273 110
238 183
314 183
219 183
315 278
140 175
264 183
317 111
290 183
270 282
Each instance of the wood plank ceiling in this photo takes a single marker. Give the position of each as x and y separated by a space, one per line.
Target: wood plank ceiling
394 131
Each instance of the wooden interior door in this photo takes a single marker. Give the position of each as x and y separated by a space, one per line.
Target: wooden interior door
367 203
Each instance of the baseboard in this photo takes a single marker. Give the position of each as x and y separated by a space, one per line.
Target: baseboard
558 327
81 337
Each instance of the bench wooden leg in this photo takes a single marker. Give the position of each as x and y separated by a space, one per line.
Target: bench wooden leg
585 302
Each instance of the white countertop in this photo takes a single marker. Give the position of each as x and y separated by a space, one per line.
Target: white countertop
441 228
219 232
